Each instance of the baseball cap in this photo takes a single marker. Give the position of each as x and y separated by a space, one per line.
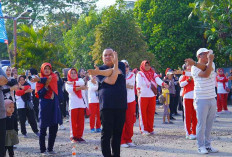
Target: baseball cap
170 72
125 61
201 50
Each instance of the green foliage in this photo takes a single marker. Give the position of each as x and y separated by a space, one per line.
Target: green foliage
120 32
169 33
80 38
215 17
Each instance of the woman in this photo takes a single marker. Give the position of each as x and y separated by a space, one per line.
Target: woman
127 133
49 110
146 80
75 87
25 111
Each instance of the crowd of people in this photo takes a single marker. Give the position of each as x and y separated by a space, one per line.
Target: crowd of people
113 96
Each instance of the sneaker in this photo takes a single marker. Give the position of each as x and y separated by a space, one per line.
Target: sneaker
73 141
81 140
131 144
211 150
62 127
98 130
219 112
226 112
92 130
51 152
165 123
124 146
144 133
202 150
43 154
192 137
187 136
152 133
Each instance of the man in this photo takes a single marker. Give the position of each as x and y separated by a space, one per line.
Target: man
113 101
3 81
204 98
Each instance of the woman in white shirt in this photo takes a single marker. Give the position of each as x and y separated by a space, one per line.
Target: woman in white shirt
94 107
146 78
75 87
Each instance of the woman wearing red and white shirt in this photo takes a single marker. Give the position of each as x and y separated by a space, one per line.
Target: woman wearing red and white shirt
94 105
147 99
222 94
75 87
127 132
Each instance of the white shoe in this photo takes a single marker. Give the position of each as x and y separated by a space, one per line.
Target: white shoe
187 136
124 146
192 137
62 127
202 150
226 112
144 133
131 144
211 150
219 112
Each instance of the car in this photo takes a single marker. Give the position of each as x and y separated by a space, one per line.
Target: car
5 63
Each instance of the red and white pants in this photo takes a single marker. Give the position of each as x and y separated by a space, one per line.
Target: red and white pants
77 122
127 132
147 113
190 120
94 116
222 102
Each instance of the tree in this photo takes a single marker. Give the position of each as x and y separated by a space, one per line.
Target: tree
171 37
120 32
79 40
33 49
215 19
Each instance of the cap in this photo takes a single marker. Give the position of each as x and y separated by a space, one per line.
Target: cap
201 50
125 61
170 72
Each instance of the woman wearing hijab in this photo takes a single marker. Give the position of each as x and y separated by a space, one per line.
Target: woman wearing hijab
147 80
49 110
75 87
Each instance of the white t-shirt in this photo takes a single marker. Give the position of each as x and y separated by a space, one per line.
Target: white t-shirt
74 100
130 79
92 92
220 88
19 102
144 84
33 84
204 88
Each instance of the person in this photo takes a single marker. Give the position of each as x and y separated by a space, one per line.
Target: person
49 110
222 91
94 105
204 98
127 133
75 87
3 81
61 97
25 111
190 118
147 79
113 101
166 95
64 111
11 137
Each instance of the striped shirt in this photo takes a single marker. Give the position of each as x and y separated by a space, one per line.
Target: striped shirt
204 88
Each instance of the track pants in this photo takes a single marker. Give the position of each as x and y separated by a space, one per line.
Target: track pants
76 120
95 116
222 102
127 132
190 120
147 113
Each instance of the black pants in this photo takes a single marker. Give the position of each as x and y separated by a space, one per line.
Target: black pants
36 105
24 114
112 121
10 150
51 138
176 103
172 105
61 104
2 136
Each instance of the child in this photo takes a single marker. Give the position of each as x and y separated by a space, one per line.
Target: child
165 93
11 128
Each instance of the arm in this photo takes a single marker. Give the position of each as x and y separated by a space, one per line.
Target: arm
208 70
159 81
22 91
3 80
191 62
96 71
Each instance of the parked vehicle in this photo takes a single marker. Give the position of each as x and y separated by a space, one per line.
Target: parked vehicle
5 63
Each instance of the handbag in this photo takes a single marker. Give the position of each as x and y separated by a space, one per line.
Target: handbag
154 89
29 105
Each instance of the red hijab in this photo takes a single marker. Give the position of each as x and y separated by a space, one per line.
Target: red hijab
78 93
150 73
223 79
52 87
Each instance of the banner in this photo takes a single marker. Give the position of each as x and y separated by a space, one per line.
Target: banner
3 35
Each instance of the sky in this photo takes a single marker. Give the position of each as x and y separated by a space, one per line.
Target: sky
105 3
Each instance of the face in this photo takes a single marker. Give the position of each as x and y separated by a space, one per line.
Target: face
127 67
21 80
203 57
188 67
93 78
107 57
170 76
8 71
29 73
220 72
10 109
47 70
82 72
147 67
74 74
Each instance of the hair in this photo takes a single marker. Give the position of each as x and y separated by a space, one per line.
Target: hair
33 71
65 71
23 76
184 66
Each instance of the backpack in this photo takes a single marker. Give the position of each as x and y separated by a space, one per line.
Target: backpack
161 99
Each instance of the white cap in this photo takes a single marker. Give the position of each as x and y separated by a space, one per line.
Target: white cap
125 61
201 50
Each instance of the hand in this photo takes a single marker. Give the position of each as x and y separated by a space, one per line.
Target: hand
211 57
189 61
3 80
36 79
48 81
115 57
84 87
15 87
179 71
28 90
94 72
